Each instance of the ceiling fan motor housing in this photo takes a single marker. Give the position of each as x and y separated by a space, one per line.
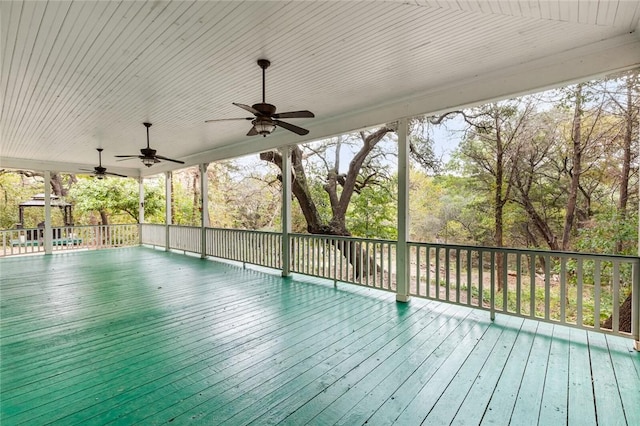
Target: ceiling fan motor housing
264 109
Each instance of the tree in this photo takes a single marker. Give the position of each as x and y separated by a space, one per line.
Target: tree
491 147
626 104
319 179
113 196
339 187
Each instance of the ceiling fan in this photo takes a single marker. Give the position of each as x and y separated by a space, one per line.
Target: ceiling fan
265 119
149 156
99 171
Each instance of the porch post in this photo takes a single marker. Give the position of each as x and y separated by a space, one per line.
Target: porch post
286 211
402 251
167 220
204 208
48 230
140 207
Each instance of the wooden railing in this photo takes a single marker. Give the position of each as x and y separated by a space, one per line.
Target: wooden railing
580 290
21 241
153 235
27 241
185 238
254 247
354 260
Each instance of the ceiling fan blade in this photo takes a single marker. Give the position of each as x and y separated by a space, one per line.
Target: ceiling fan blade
294 114
169 159
87 170
114 174
248 108
291 127
228 119
127 156
252 132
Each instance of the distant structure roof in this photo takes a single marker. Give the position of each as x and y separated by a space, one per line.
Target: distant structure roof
38 201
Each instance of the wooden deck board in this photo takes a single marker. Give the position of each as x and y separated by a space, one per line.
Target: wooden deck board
137 335
580 406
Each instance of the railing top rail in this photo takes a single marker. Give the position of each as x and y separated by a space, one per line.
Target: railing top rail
185 226
68 226
339 237
91 226
632 259
249 231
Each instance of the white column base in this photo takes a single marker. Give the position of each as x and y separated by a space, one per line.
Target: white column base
402 298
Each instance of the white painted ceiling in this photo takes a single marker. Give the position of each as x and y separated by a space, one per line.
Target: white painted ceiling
80 75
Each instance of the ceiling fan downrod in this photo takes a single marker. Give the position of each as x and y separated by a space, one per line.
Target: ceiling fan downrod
264 64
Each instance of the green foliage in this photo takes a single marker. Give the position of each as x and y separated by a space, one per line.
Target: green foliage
602 233
14 190
118 198
244 195
373 212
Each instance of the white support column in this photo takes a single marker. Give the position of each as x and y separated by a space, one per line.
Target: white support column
402 251
167 221
140 207
286 211
48 230
204 211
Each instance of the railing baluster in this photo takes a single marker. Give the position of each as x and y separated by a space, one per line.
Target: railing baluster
547 286
447 273
579 290
518 283
532 285
418 253
480 279
596 288
492 306
615 323
505 281
458 269
563 289
469 279
437 271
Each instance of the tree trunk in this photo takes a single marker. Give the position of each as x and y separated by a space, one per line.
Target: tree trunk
104 218
499 204
575 170
626 158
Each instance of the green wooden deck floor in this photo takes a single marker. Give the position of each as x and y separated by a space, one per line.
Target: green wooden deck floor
134 335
